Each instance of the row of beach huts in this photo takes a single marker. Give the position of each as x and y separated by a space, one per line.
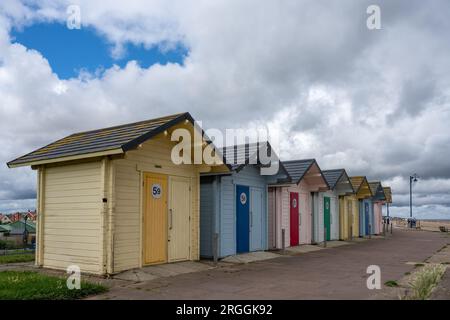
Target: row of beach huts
113 199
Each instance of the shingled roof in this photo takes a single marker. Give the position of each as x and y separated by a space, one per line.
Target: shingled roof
377 190
238 156
374 186
298 168
358 184
110 140
388 193
333 176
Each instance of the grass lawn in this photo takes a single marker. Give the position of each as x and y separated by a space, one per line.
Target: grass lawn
14 258
29 285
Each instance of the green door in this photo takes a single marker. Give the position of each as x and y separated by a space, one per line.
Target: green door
327 216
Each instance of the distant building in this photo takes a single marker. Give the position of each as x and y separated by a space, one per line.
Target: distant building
15 217
15 232
4 219
31 215
4 231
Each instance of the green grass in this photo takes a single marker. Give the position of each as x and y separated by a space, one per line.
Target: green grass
391 283
14 258
425 280
29 285
11 251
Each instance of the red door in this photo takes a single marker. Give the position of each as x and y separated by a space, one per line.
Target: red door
294 218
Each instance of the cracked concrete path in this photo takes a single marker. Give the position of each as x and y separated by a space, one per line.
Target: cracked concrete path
335 273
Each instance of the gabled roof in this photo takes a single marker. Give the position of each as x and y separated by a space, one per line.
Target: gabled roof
377 190
374 186
361 186
334 176
112 140
238 156
298 168
18 227
388 193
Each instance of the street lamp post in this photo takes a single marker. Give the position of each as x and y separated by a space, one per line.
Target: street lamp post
412 179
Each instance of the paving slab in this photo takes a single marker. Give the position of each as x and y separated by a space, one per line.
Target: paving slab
251 257
442 256
337 273
337 243
161 271
358 239
305 248
442 291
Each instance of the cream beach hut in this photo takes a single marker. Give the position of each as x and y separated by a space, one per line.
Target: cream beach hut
335 211
112 199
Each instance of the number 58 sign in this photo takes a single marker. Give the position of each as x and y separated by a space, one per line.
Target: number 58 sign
156 190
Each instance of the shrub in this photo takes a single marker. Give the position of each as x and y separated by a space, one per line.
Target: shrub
425 280
7 245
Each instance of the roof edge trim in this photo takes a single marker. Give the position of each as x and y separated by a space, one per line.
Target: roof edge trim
67 158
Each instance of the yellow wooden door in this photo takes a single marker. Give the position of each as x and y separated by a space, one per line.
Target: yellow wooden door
179 218
350 218
355 215
155 219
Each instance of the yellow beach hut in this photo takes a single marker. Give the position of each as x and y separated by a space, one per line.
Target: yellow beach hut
359 205
388 194
113 199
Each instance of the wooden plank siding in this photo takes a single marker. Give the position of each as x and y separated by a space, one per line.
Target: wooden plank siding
334 213
90 198
283 217
207 209
154 156
72 202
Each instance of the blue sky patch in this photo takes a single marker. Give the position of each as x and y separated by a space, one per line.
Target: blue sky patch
71 51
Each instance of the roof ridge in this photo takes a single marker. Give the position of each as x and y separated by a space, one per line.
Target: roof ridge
244 144
65 146
342 169
304 160
127 124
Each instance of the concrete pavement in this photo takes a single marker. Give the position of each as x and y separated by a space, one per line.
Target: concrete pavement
335 273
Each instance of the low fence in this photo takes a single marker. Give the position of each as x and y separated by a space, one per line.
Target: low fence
8 247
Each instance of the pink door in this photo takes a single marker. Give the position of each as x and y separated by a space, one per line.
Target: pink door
294 218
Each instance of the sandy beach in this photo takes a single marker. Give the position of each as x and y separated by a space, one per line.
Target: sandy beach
428 225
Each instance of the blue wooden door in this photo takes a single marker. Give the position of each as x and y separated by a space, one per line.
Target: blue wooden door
256 219
242 219
367 217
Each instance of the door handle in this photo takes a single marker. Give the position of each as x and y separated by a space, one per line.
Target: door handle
170 219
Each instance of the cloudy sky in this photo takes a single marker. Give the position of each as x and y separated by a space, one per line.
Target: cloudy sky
376 102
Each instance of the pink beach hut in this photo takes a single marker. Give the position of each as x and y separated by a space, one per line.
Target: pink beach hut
378 200
290 204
